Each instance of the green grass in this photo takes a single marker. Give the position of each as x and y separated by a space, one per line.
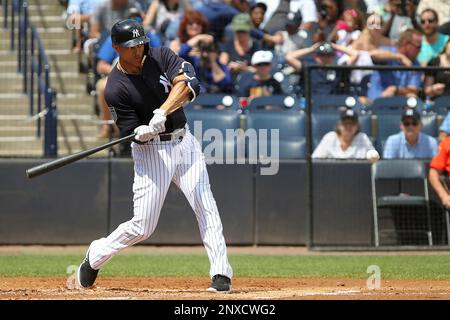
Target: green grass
393 267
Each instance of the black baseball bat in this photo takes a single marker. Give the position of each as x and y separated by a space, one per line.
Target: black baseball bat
58 163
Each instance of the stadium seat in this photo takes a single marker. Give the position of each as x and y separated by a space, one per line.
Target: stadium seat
289 121
211 115
396 103
441 105
324 103
280 102
401 170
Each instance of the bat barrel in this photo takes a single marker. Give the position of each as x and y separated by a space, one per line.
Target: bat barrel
58 163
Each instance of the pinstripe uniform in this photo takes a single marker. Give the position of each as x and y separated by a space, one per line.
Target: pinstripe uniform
132 99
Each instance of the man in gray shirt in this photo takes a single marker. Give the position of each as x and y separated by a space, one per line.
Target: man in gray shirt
108 13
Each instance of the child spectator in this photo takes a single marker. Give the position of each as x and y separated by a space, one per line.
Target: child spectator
261 82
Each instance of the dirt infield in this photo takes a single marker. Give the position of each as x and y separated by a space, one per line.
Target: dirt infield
193 288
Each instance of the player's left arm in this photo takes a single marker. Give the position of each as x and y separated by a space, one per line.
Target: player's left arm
186 87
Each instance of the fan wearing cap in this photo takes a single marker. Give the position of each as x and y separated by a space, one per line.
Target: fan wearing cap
237 52
322 81
346 141
261 83
410 142
267 40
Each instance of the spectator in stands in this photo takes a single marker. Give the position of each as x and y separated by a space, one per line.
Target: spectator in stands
108 13
220 13
348 27
278 10
261 82
107 58
371 37
438 83
440 167
441 7
404 83
329 12
402 16
79 13
237 53
214 76
346 141
165 11
322 81
410 142
432 41
267 39
293 37
193 29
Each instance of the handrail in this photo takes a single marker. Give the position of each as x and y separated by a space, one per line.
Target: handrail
34 66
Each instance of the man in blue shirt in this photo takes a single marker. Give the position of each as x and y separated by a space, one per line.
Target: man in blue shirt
410 142
399 83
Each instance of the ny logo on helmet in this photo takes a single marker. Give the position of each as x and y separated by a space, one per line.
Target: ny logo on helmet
136 33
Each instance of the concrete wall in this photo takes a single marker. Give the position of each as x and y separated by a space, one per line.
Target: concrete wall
88 199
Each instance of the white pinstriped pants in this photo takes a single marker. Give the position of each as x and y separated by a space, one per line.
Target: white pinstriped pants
155 166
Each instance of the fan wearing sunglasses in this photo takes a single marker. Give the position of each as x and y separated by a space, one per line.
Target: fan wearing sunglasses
432 41
410 142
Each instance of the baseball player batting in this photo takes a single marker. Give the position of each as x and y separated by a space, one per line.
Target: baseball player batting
145 93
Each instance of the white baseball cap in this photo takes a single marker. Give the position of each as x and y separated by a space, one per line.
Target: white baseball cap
262 57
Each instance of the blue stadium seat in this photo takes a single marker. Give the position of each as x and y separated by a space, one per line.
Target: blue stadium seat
441 105
324 122
396 103
289 121
214 101
331 103
281 102
208 116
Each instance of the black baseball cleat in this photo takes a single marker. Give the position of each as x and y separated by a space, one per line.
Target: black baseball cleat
220 283
86 275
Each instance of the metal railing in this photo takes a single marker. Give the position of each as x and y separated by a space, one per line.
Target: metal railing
35 69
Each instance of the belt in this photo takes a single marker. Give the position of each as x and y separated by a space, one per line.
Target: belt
177 134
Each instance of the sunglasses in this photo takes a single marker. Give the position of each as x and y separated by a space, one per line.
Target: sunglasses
422 21
265 64
411 123
415 46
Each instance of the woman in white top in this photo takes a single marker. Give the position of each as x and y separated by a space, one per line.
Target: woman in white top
346 141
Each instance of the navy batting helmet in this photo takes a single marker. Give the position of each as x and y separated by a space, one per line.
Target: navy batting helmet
128 33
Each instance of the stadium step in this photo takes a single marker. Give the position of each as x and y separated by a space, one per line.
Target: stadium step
77 124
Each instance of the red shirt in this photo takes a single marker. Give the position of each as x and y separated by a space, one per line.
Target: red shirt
441 161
